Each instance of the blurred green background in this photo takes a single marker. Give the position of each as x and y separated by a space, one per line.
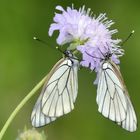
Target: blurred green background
24 62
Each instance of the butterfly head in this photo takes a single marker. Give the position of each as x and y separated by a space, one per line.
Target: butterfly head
107 56
68 54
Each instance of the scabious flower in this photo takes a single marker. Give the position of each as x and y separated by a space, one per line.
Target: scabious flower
90 34
71 24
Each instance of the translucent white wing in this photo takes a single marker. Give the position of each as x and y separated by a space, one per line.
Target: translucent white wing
58 94
130 122
111 97
38 119
61 89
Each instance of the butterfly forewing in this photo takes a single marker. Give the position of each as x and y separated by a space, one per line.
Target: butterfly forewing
58 97
110 94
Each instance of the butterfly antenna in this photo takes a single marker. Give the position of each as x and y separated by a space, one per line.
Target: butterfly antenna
101 52
129 36
42 41
58 48
45 43
92 55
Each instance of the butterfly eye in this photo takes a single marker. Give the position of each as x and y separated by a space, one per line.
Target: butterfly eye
68 53
110 54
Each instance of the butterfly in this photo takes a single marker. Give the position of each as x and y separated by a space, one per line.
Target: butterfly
59 92
112 95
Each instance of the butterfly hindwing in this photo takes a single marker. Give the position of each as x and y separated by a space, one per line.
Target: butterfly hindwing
61 89
38 119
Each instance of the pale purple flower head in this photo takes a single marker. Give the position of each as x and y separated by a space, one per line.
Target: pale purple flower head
92 35
72 24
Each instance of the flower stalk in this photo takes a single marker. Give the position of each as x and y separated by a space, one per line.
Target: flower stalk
19 107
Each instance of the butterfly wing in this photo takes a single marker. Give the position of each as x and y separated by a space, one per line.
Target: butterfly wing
38 119
112 97
130 122
58 94
110 94
61 89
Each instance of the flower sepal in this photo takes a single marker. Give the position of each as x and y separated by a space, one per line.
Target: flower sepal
73 46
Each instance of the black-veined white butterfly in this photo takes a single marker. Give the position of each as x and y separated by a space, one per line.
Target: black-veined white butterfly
59 92
112 95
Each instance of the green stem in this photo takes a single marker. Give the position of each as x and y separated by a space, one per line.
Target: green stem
19 107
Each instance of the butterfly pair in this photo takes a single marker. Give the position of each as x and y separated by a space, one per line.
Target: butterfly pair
60 91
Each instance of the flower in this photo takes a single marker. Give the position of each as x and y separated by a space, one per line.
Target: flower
71 24
91 35
100 43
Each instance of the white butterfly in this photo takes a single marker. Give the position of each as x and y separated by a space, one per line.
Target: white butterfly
112 96
59 92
